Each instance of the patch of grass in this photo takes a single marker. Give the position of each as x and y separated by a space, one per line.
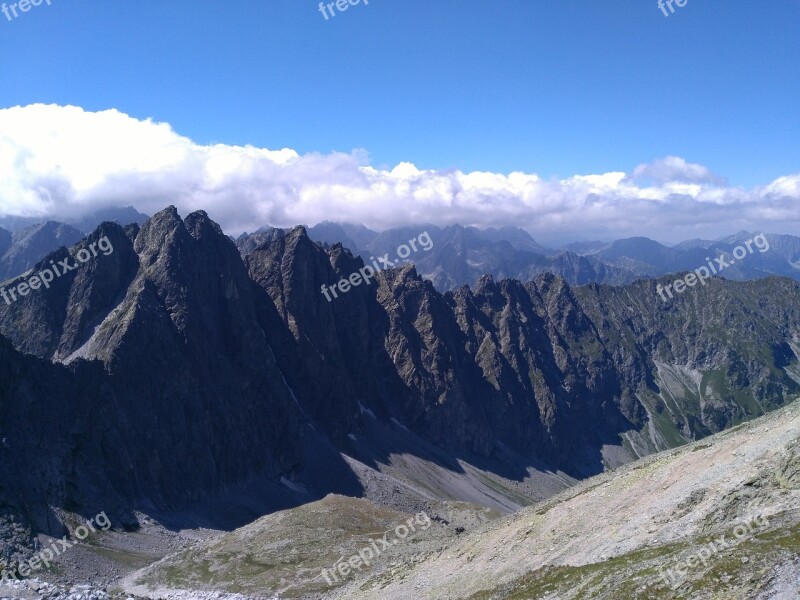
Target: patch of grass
131 559
701 447
619 577
729 572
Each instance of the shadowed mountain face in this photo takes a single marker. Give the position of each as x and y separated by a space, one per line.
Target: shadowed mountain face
169 390
174 369
714 519
547 370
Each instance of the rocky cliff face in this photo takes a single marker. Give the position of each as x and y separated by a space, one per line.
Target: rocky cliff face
165 388
708 359
586 377
173 368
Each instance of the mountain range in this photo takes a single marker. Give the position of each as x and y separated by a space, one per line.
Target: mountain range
85 223
204 382
22 249
461 255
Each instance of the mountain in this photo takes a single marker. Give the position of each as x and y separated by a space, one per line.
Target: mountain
648 258
346 233
517 237
717 518
181 379
637 363
461 255
86 224
760 256
332 233
124 215
584 248
198 396
362 237
694 243
22 249
574 378
6 239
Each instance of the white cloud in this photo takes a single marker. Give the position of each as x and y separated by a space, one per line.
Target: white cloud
63 161
674 169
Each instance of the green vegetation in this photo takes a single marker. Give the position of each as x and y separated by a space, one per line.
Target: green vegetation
637 575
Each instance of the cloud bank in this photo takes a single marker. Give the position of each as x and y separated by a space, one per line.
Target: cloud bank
63 161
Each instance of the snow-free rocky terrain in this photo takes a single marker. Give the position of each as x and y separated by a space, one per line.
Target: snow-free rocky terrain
188 387
609 537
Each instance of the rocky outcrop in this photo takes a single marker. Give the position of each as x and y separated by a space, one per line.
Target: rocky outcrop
169 390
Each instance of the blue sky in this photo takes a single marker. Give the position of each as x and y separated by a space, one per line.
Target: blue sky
556 88
574 120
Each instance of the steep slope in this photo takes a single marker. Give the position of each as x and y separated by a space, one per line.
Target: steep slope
705 361
644 531
5 241
55 321
162 337
49 429
403 351
583 378
639 532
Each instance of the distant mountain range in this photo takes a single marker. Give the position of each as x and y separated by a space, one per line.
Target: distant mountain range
85 224
461 255
22 249
26 240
